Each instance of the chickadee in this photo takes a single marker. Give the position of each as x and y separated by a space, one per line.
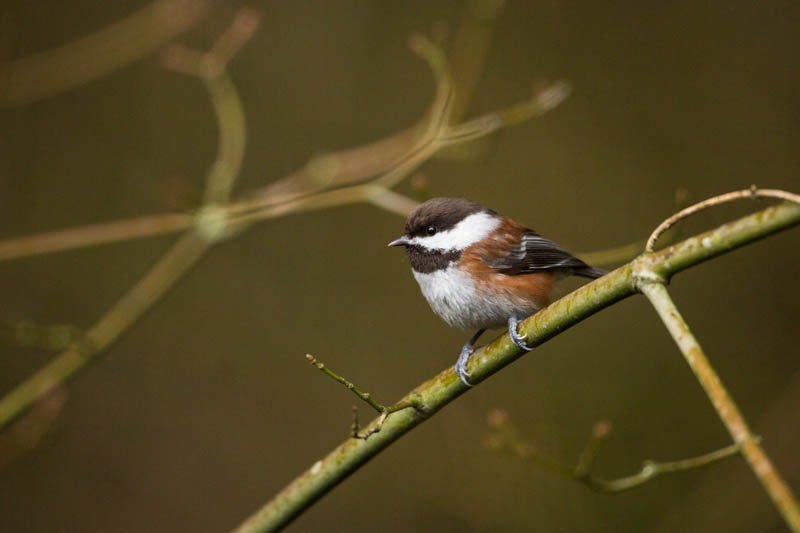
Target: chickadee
481 270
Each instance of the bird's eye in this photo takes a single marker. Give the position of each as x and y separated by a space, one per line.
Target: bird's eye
431 230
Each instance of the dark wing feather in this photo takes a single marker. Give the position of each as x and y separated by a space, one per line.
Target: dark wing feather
534 253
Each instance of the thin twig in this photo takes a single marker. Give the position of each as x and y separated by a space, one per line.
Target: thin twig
651 469
27 432
375 428
45 74
752 192
626 252
469 49
210 68
384 411
613 255
181 256
161 277
364 396
509 437
52 337
587 458
260 206
94 234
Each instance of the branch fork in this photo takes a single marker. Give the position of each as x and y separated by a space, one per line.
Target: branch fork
411 401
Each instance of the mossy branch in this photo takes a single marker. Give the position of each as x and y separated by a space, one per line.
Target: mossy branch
443 388
651 282
731 417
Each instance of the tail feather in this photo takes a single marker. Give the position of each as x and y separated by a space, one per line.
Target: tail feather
590 272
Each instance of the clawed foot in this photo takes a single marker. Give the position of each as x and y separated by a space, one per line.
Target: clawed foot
461 364
516 338
466 351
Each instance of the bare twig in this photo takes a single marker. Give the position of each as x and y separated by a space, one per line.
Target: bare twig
587 458
626 252
752 192
339 188
613 255
28 431
53 337
509 437
469 49
118 319
718 493
48 73
383 410
181 256
210 67
67 239
364 396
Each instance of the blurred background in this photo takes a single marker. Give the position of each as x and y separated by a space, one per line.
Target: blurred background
206 407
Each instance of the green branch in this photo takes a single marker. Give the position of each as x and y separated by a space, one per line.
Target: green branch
726 408
431 396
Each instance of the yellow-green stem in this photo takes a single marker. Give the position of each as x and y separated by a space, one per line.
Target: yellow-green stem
726 408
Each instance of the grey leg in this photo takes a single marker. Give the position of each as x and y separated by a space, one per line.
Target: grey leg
466 351
516 338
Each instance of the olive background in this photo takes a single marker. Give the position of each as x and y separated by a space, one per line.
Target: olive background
206 407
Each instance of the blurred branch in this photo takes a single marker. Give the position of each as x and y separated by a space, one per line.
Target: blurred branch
28 431
106 232
117 320
456 80
544 325
210 68
43 336
626 252
611 256
469 49
714 493
437 134
333 186
48 73
173 265
507 436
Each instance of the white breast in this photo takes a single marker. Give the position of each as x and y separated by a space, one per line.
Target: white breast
453 296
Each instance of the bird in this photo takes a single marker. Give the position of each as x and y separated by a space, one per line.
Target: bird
481 270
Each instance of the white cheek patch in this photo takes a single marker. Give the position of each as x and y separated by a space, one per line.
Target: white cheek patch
467 232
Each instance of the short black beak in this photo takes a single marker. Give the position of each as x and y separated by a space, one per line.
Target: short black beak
402 241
